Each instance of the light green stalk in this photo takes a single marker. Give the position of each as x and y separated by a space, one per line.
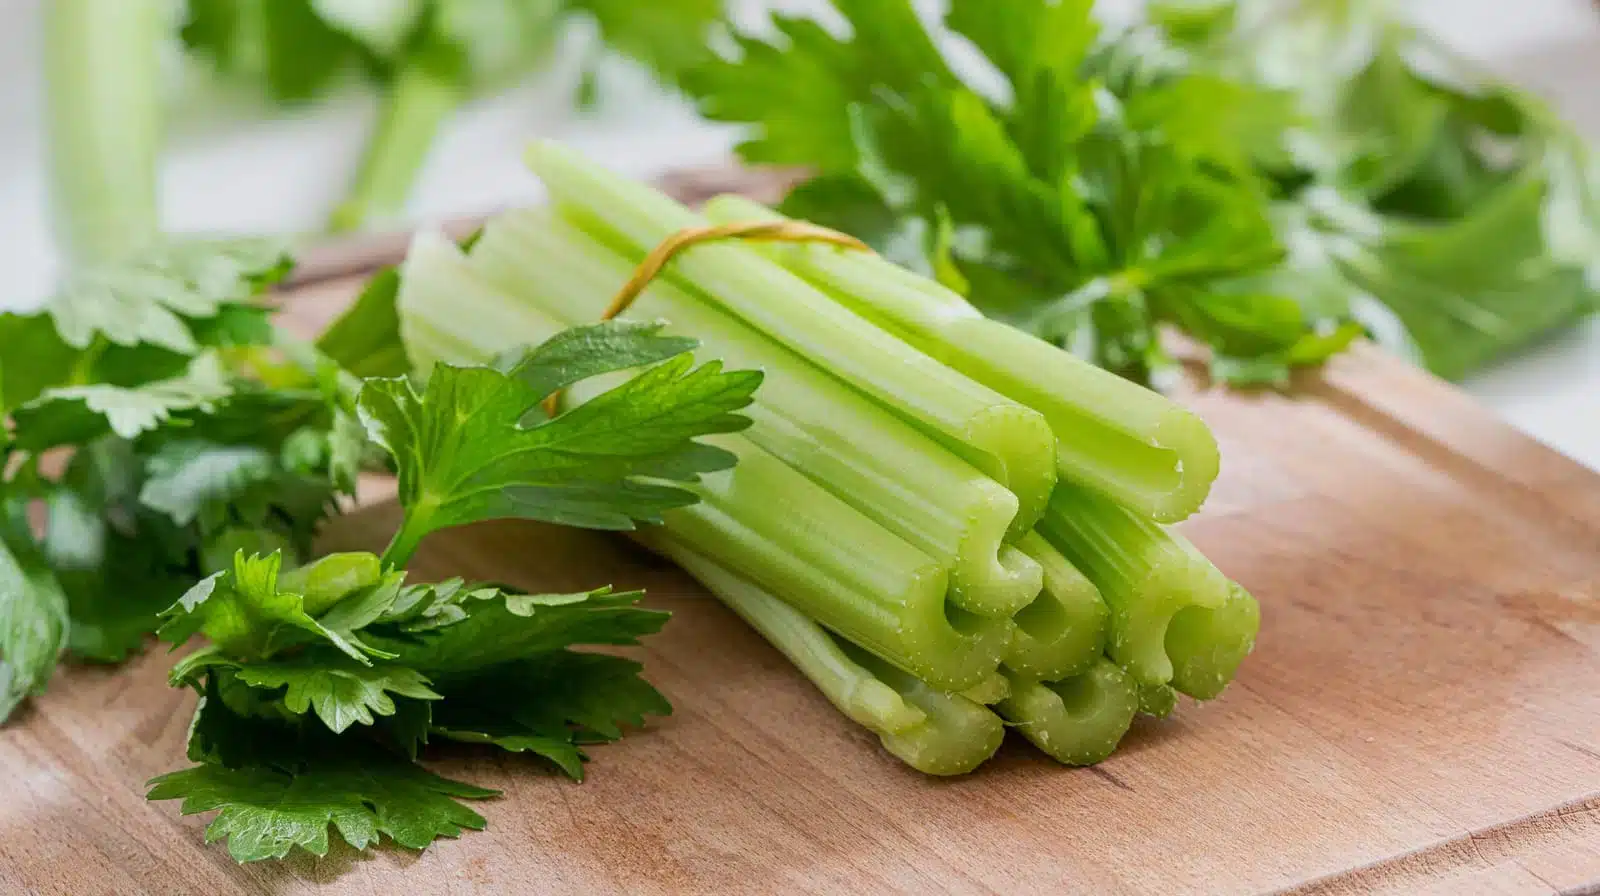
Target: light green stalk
1121 439
1207 646
1009 442
104 82
1146 574
933 732
760 519
1076 721
414 107
1063 631
871 459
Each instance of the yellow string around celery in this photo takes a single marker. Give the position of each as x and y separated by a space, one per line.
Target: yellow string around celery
778 231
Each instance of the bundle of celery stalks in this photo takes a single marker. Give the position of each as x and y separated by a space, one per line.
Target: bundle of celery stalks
949 526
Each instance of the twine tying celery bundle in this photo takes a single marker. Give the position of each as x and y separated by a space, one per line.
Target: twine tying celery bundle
779 231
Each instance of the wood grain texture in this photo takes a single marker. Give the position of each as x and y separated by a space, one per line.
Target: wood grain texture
1422 714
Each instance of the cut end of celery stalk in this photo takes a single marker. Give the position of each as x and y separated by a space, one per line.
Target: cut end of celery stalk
1078 720
991 691
1159 700
852 689
1016 448
990 577
1146 574
895 609
1207 645
958 735
1063 631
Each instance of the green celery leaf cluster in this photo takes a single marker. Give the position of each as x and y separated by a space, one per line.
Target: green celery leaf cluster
1272 179
348 671
137 421
1465 208
1084 215
345 671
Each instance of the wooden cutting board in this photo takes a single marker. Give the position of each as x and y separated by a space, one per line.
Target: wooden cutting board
1422 714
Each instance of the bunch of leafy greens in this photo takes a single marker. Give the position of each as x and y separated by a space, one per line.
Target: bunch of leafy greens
1463 205
1231 173
176 443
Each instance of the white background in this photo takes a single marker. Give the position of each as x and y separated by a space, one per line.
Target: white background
257 174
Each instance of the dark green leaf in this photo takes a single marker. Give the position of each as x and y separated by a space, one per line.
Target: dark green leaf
496 627
550 705
69 415
365 340
265 812
149 298
33 621
463 455
578 353
339 690
244 613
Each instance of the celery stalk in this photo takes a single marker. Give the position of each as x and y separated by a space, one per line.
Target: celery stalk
1159 700
1063 631
1078 720
853 690
1146 574
1207 645
866 456
103 75
1010 442
761 519
933 732
989 691
960 734
414 107
1135 446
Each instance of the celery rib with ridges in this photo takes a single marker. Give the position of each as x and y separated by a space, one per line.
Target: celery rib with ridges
1063 631
933 732
1146 574
1121 439
761 519
1207 645
103 74
855 692
1078 720
870 458
1006 440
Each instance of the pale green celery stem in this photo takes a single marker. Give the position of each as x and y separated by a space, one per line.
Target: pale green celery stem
1078 720
933 732
853 690
1159 700
414 107
1114 436
1207 645
989 691
1146 574
103 75
1063 631
761 519
876 462
1010 442
959 735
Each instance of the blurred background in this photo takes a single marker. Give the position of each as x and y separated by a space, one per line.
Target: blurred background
232 163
